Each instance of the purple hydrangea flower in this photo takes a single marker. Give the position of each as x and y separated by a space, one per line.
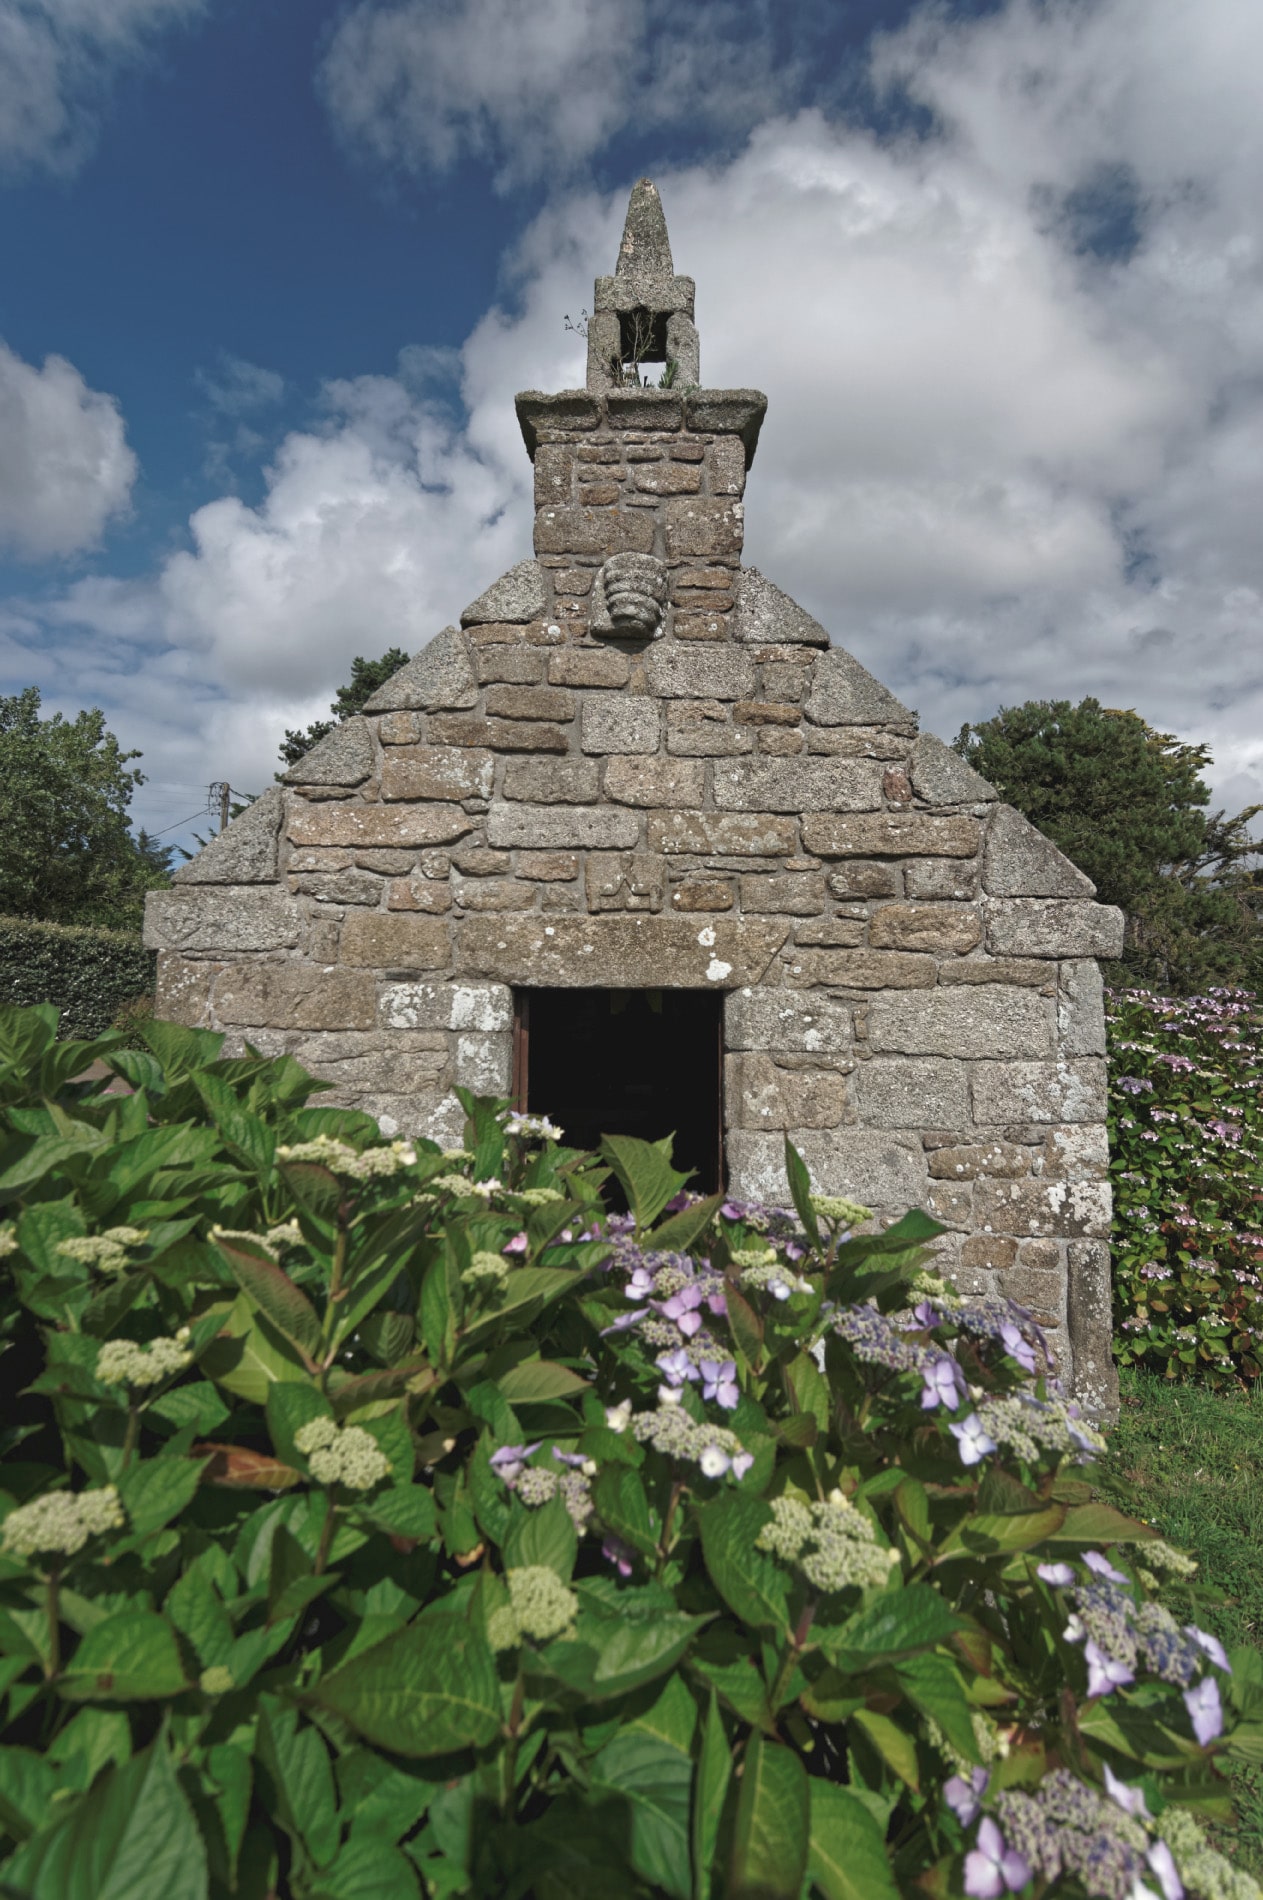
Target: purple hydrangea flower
616 1552
925 1315
993 1868
682 1308
1105 1673
732 1210
1205 1711
507 1463
1130 1800
1103 1567
741 1462
1059 1574
1017 1347
1162 1862
677 1366
575 1459
518 1244
1210 1646
640 1286
944 1384
719 1382
964 1798
974 1444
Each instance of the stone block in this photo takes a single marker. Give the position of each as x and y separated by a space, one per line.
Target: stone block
864 880
500 633
938 878
1026 971
1049 927
882 1170
603 531
1093 1374
699 672
775 740
1044 1208
437 771
551 781
727 467
702 729
222 918
711 625
941 777
1019 861
1014 1092
182 990
598 494
949 1202
889 834
1079 1151
782 1020
667 478
373 1059
652 409
502 735
478 861
991 1020
620 952
768 617
943 929
386 863
791 894
399 728
1005 1160
620 723
395 940
1081 1010
766 712
294 996
562 827
912 1092
808 785
530 702
831 933
370 826
460 1004
484 1063
339 887
721 833
860 970
510 666
494 893
548 867
588 666
702 893
244 852
785 682
343 757
762 1092
516 597
844 693
624 880
989 1253
696 526
418 893
440 675
655 782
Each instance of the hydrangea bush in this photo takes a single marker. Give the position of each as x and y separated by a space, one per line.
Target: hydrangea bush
381 1522
1186 1138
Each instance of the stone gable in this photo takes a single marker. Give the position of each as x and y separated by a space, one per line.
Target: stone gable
638 764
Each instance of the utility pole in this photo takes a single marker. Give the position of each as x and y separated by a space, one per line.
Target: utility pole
220 794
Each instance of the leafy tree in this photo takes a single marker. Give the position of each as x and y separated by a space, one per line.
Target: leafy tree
366 677
65 785
1127 804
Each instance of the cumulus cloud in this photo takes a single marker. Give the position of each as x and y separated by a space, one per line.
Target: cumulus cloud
1016 379
65 467
538 88
57 58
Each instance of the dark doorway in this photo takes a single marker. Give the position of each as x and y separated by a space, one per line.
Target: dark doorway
627 1062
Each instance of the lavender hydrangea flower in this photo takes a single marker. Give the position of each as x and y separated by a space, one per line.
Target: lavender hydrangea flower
1105 1673
518 1244
993 1868
640 1286
677 1366
682 1308
507 1463
1130 1800
974 1443
616 1552
1211 1646
1017 1347
1103 1567
719 1382
944 1384
1061 1575
1162 1862
1205 1711
964 1798
741 1463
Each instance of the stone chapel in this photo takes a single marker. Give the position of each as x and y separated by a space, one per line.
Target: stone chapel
637 845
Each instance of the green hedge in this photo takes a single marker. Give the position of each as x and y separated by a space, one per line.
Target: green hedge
89 974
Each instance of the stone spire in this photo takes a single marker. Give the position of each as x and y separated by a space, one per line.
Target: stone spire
643 314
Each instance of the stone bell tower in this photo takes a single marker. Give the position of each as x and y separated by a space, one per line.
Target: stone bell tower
636 844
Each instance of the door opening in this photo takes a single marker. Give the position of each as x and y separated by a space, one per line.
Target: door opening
627 1062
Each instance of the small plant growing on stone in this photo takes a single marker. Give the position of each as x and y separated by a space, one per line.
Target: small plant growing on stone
381 1520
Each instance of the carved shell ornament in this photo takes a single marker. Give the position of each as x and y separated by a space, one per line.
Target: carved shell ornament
631 595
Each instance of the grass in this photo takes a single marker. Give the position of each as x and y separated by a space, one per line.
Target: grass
1190 1462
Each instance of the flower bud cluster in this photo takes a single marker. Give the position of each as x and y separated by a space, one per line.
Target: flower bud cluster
458 1185
61 1522
216 1680
1068 1829
106 1252
992 1745
342 1454
123 1362
486 1269
539 1196
8 1240
836 1211
540 1606
1203 1871
832 1544
532 1128
1031 1426
341 1159
715 1450
878 1339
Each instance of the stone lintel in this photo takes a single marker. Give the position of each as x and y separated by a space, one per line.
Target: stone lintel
738 412
638 290
620 952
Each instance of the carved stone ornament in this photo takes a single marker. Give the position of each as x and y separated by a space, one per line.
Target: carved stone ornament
630 597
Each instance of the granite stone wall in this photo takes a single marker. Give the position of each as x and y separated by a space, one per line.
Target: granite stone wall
732 803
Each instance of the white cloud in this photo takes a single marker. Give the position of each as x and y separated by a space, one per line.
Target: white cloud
537 88
996 465
57 58
236 387
65 467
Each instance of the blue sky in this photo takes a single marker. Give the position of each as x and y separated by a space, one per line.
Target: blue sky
275 270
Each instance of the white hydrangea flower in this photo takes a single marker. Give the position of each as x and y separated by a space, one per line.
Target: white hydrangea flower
106 1252
342 1159
539 1606
60 1523
124 1362
342 1454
